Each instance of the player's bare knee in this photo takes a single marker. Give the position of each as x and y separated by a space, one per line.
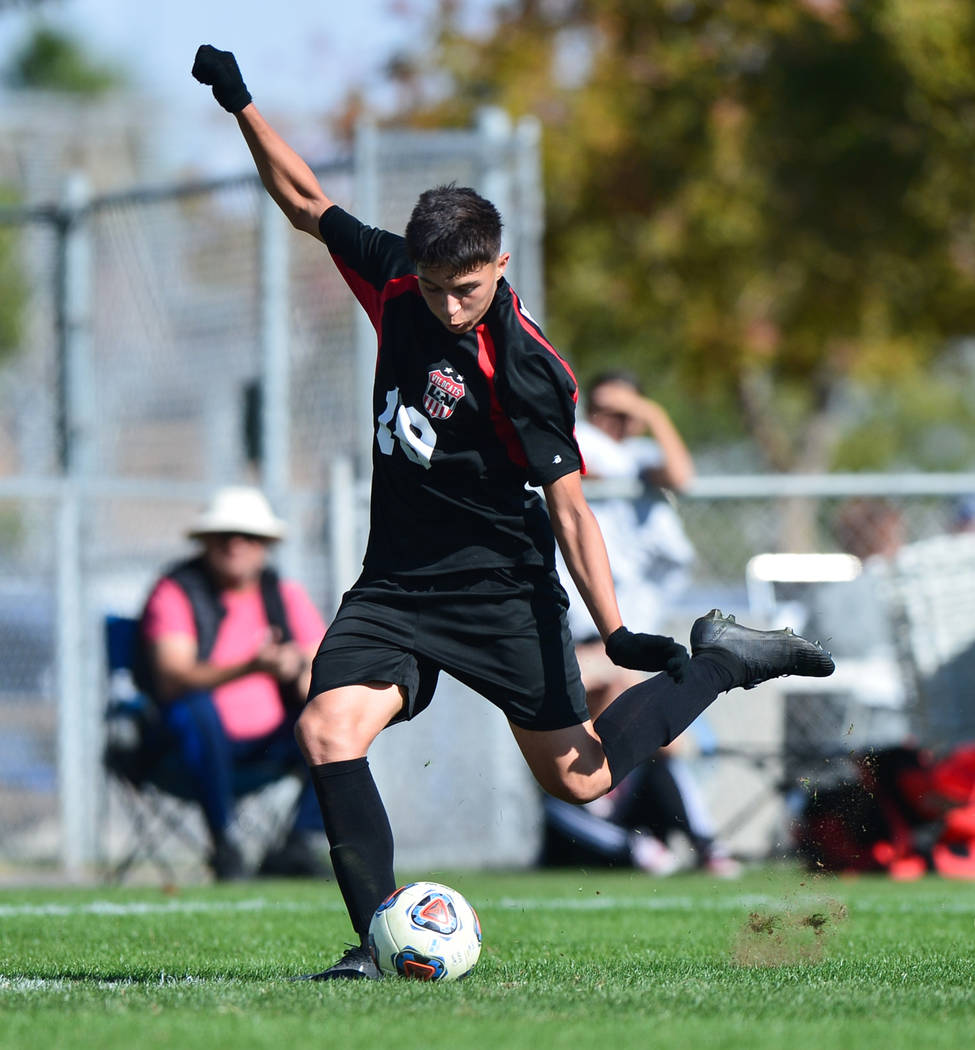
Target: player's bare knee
307 732
578 790
319 736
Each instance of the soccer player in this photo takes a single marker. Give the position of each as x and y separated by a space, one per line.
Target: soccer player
470 403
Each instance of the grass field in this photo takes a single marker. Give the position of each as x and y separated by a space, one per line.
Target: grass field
613 960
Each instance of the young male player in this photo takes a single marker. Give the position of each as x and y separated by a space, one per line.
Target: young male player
470 403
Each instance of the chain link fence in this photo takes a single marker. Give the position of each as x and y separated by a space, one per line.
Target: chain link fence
174 340
179 339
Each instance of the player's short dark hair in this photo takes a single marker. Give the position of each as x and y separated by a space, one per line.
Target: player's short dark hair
614 375
455 229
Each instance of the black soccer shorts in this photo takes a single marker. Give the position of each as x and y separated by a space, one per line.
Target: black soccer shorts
501 632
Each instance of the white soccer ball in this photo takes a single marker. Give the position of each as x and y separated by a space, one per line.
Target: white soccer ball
425 931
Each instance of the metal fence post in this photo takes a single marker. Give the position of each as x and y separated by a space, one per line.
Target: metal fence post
531 215
78 766
494 131
511 179
366 187
76 404
275 388
345 555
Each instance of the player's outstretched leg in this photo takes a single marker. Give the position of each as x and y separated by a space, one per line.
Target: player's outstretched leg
763 655
725 656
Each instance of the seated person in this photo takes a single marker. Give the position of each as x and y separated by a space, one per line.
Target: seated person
225 650
627 436
633 824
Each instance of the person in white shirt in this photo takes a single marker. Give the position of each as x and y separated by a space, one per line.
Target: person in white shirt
627 436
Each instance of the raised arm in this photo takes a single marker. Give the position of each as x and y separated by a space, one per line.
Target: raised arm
676 469
286 177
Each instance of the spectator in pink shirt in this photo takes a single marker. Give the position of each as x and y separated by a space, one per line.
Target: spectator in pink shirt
225 651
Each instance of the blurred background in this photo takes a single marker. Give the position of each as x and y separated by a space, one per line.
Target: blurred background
764 209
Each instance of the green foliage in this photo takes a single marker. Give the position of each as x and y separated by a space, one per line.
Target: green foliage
8 4
924 422
570 960
52 60
13 285
758 202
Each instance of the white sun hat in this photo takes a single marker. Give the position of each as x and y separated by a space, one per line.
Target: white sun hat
238 508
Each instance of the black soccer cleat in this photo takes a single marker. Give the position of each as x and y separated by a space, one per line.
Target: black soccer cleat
762 654
357 964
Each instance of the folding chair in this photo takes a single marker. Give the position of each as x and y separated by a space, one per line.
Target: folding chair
932 589
161 818
834 599
777 584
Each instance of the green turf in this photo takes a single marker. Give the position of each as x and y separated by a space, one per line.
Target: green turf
608 960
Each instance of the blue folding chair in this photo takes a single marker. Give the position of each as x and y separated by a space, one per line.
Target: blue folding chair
158 795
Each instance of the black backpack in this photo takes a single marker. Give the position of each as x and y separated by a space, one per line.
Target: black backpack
196 582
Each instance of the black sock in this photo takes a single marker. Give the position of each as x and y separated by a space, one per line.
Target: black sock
359 836
649 715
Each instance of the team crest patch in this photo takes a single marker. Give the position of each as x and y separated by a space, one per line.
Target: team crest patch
445 388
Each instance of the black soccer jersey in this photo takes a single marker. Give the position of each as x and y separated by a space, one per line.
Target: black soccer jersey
462 422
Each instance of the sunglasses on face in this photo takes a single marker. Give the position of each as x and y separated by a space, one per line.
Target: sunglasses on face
608 413
229 537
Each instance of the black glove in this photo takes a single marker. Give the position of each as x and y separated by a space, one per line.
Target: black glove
219 69
647 652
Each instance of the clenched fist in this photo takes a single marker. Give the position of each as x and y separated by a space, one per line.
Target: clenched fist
219 69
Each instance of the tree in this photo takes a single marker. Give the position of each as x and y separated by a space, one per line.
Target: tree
13 283
762 205
7 5
53 60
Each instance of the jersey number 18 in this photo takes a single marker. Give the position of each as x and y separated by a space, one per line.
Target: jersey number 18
407 425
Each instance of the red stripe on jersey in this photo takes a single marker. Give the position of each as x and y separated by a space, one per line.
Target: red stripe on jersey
398 285
372 299
369 297
539 338
487 356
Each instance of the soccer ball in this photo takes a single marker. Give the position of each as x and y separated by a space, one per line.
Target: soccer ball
425 931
